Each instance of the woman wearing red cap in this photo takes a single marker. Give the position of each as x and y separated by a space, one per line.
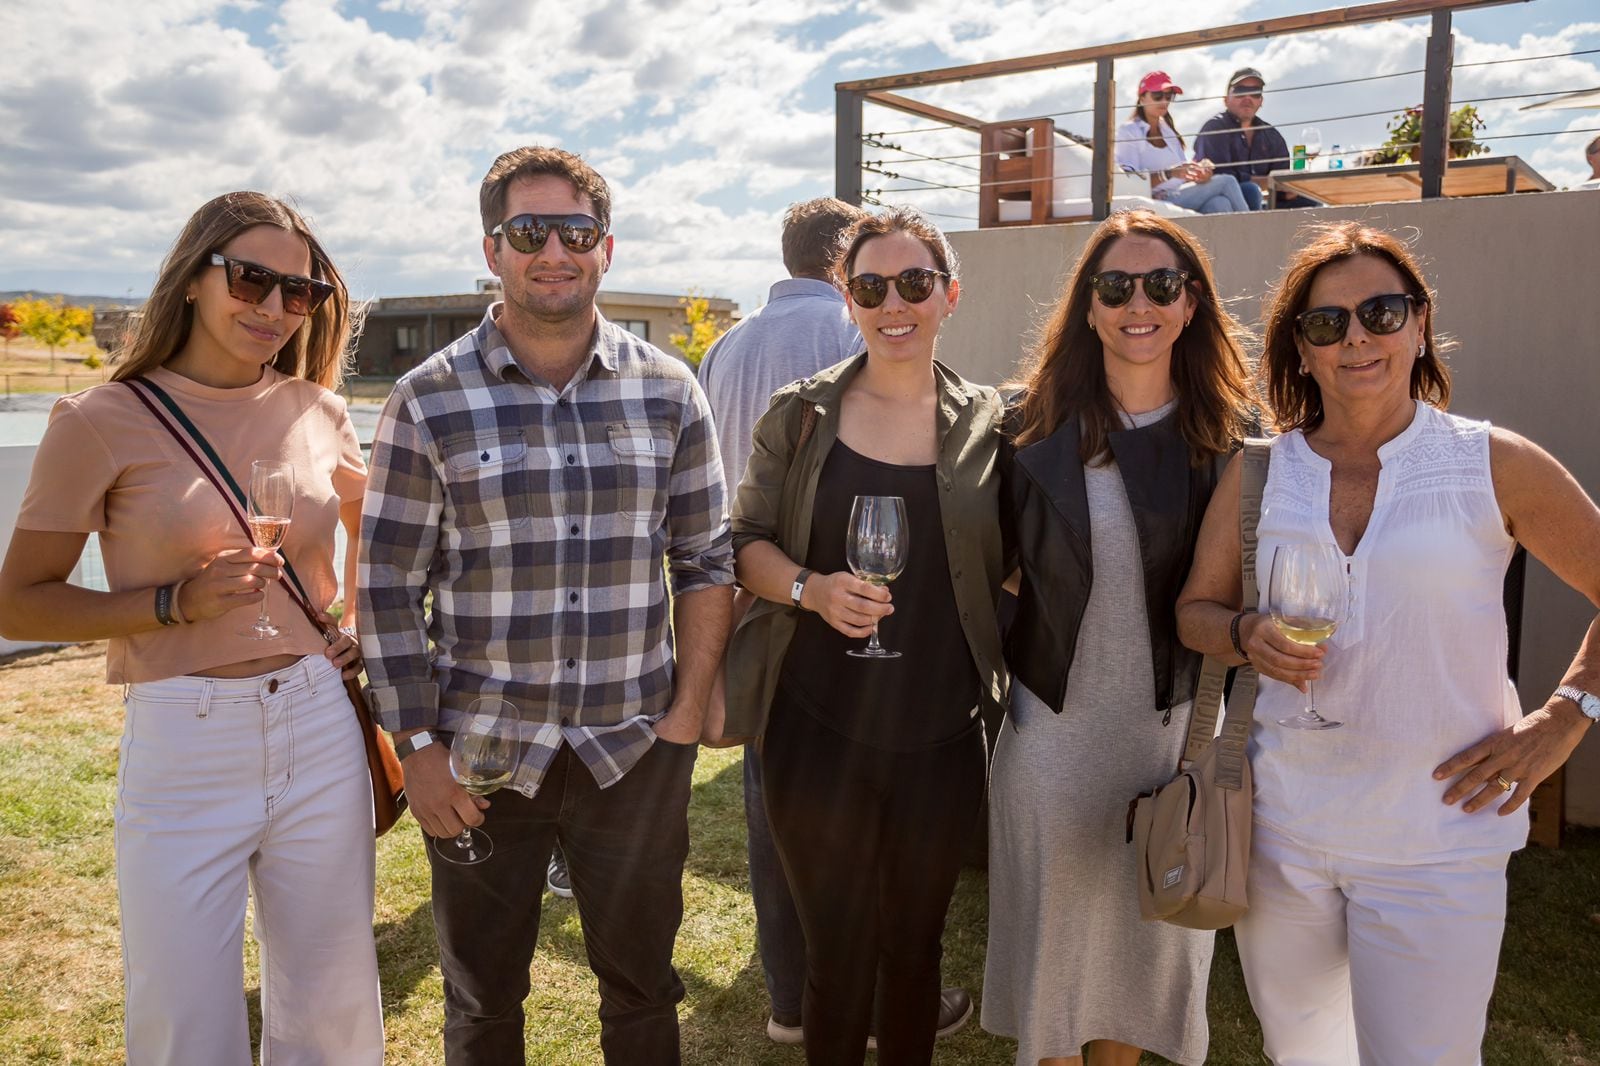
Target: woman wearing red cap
1150 144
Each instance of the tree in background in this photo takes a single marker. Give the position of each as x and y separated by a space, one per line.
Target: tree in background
702 328
52 323
8 324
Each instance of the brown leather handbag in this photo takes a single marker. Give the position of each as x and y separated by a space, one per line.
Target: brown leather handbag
388 780
1192 835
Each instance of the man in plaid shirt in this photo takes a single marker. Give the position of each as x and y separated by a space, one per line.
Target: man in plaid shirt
531 477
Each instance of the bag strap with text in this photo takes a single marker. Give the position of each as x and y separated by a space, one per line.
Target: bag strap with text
1208 701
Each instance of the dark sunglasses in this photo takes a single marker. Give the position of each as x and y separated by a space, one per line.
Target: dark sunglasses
1163 285
914 284
1322 326
1256 92
253 283
528 233
1159 94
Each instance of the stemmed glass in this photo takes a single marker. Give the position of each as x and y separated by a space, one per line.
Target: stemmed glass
1311 137
483 755
876 551
1309 595
270 506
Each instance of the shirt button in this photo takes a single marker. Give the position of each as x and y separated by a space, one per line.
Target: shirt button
272 686
571 663
571 459
572 597
561 402
952 531
574 529
565 722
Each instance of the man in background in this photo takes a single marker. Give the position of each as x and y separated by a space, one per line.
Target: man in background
804 327
1240 142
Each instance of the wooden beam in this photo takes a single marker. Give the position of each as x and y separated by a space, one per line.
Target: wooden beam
1102 178
1241 31
1436 106
847 146
922 110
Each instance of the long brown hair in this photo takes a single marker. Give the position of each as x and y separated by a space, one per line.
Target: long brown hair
894 220
1065 375
1295 398
1155 127
317 351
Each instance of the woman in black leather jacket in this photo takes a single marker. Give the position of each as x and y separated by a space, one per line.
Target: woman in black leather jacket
1135 390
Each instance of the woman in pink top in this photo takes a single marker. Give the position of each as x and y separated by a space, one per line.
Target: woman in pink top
242 769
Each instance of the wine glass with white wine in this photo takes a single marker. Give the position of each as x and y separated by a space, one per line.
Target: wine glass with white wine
1311 137
270 506
483 756
876 551
1309 595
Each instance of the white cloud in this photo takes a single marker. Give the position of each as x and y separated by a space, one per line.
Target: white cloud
708 117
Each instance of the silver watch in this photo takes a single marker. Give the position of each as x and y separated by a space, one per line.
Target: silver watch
1587 702
413 744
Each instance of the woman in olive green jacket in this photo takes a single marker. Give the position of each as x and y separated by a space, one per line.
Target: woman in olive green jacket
874 768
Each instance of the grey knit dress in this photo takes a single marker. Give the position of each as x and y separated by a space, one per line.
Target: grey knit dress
1069 959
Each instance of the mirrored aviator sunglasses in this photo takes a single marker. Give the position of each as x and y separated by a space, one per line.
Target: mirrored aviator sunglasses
914 285
1162 286
1322 326
253 283
528 233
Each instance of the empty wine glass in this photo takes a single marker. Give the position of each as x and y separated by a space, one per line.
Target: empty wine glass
1311 137
483 756
1308 596
876 551
270 506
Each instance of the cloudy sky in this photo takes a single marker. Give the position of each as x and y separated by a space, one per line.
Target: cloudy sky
380 116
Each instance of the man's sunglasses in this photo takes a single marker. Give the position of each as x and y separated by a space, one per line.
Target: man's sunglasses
253 283
1163 286
528 233
1322 326
914 285
1245 90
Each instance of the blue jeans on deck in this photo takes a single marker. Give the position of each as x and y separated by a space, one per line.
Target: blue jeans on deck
1217 196
779 939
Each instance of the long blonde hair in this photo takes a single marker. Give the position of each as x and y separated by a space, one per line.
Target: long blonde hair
318 351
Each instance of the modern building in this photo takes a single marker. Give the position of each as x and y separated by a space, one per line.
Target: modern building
401 331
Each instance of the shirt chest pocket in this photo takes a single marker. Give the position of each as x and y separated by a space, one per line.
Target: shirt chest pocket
636 483
487 480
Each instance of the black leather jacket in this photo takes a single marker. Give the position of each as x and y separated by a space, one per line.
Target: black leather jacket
1049 507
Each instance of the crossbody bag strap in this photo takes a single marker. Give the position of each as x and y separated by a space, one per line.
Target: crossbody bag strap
1240 712
216 472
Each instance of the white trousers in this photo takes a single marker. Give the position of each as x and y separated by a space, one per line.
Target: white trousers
256 785
1353 963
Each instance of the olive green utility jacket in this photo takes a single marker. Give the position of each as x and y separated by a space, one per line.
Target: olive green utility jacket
774 503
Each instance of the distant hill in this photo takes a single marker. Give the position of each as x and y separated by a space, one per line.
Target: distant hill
72 299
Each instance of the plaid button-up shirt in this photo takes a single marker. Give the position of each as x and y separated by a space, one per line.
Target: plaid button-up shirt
538 520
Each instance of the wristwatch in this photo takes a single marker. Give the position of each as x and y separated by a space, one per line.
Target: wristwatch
799 587
414 743
1587 702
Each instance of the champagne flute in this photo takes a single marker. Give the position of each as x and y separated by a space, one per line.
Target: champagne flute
876 551
271 505
1308 596
483 756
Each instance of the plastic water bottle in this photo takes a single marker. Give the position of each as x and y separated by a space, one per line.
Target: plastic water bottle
1335 160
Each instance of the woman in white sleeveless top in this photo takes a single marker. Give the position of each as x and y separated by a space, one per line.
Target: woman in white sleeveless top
1377 897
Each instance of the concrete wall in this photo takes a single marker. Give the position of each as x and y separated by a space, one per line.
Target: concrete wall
1518 279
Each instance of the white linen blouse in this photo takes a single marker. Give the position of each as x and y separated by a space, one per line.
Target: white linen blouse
1135 152
1416 673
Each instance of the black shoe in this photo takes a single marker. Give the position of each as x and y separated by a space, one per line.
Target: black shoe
955 1008
557 879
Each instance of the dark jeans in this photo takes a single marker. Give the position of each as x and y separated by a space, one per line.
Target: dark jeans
871 841
625 848
779 938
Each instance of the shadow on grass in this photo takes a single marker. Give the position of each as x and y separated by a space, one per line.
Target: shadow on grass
716 829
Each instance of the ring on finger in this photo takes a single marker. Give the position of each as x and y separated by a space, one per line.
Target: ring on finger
1505 786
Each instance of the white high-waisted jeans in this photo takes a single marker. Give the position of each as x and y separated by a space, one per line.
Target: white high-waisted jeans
260 785
1354 963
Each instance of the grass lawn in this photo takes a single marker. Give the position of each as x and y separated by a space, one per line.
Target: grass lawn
60 971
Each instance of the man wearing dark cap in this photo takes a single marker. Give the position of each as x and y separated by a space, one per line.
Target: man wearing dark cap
1239 142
